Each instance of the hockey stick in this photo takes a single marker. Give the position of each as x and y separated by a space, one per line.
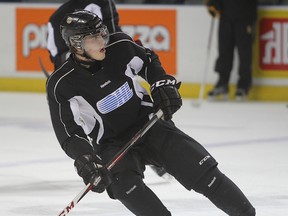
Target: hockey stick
45 72
206 63
115 160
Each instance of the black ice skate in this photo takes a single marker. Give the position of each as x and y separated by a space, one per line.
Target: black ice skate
161 172
241 94
218 93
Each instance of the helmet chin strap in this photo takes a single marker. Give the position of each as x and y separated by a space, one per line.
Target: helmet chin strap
86 64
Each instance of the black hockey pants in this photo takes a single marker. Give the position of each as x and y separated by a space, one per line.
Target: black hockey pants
181 156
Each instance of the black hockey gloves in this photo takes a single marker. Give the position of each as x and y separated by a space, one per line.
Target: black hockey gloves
89 167
166 96
214 7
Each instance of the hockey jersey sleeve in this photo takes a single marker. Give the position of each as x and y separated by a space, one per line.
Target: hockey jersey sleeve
71 136
152 69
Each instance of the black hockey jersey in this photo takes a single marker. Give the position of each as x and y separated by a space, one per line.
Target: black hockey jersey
107 102
105 9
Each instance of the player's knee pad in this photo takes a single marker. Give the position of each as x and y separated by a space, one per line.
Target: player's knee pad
125 185
208 183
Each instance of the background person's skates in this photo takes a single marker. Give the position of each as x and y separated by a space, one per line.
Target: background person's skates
219 93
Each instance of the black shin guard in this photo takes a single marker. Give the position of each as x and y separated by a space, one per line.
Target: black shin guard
129 188
224 194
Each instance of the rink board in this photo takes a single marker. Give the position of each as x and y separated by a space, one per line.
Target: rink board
187 90
174 32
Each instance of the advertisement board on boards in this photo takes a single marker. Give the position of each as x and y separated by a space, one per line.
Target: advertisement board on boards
155 28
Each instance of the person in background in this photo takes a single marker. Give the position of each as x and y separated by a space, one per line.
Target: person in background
97 105
56 46
236 30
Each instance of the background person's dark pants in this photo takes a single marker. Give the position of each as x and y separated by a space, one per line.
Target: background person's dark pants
233 35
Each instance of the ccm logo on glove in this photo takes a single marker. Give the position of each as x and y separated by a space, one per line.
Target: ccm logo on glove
162 83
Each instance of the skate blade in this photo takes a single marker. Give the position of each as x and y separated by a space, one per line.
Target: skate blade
221 97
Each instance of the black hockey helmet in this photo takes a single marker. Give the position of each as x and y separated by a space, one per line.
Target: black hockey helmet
75 26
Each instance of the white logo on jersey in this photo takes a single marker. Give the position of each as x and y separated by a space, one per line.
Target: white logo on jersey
115 100
105 84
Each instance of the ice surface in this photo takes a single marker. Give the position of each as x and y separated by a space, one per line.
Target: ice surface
249 140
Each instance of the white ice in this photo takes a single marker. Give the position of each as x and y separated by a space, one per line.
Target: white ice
249 140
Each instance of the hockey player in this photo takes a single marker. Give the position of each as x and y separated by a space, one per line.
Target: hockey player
105 9
59 52
236 30
97 105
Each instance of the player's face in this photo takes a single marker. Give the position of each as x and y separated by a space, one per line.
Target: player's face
94 46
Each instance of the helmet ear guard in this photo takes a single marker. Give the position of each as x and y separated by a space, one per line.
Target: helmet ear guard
76 41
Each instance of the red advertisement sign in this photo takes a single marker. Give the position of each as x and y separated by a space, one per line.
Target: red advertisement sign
273 44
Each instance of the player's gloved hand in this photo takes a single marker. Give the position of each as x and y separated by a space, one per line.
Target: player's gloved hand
90 167
214 7
166 96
